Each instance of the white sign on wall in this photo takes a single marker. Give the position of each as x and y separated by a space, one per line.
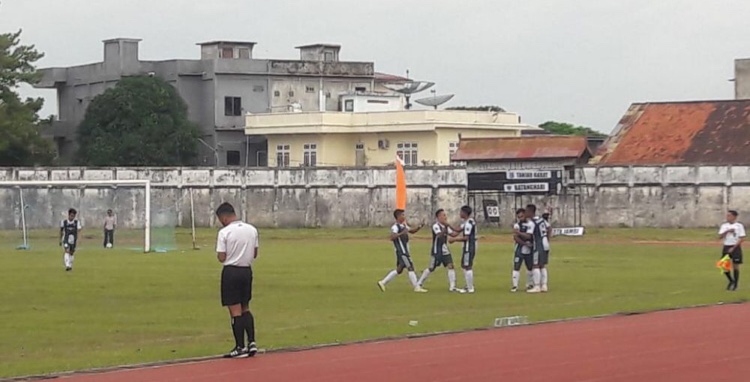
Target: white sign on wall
493 211
514 175
570 231
526 187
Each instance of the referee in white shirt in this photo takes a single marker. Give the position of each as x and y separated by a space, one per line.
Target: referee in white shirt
733 234
236 249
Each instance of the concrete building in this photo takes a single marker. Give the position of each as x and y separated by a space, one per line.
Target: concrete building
676 133
219 88
742 78
420 137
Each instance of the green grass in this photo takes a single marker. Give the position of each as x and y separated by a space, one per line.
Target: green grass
311 287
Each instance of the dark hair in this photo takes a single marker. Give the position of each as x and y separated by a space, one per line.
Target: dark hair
72 211
531 208
397 212
225 209
545 215
438 212
520 211
733 213
466 210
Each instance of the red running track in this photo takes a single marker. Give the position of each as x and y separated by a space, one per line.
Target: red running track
702 344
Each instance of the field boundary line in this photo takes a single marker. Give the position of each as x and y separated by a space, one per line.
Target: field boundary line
296 349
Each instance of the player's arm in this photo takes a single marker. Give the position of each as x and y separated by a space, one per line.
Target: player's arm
80 226
395 232
62 231
740 236
415 230
465 232
255 254
221 247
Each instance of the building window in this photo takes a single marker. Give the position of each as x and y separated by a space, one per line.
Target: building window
259 88
291 93
309 89
261 159
227 53
378 101
282 156
360 89
452 147
233 158
233 106
328 94
276 93
328 56
244 53
408 153
349 105
310 158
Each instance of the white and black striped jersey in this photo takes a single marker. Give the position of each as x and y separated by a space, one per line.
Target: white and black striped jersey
70 230
440 239
469 228
401 243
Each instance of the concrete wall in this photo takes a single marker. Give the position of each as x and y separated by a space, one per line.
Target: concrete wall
329 197
742 79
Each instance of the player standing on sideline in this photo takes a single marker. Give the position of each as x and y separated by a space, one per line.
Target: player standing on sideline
733 234
439 252
69 230
468 236
400 231
110 222
544 261
539 232
523 247
237 249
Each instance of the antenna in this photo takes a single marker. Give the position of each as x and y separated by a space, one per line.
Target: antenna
435 100
409 88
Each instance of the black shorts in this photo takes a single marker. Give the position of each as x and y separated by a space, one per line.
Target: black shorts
438 260
70 248
520 259
467 259
404 261
236 285
543 257
736 255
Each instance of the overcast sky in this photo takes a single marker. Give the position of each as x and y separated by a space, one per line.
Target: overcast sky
578 61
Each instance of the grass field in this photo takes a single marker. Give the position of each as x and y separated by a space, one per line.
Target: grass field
316 286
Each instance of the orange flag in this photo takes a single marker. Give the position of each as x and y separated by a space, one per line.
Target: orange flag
400 185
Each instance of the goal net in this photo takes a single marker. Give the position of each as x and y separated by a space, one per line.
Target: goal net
142 222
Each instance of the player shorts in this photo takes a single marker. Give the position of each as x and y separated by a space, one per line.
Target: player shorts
404 261
69 248
520 259
236 285
543 257
467 259
736 255
444 260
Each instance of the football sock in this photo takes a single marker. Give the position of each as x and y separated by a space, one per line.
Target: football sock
729 276
66 259
452 278
544 276
389 277
424 277
516 278
238 329
529 278
470 279
249 327
537 276
413 279
736 277
72 257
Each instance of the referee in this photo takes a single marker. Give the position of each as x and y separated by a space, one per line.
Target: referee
236 249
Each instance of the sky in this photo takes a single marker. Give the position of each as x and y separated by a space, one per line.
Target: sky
582 61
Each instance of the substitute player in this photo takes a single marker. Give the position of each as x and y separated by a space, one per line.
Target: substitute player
440 254
400 231
733 234
522 253
468 236
70 228
237 249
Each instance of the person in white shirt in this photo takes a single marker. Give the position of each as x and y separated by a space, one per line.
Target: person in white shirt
237 249
110 222
732 233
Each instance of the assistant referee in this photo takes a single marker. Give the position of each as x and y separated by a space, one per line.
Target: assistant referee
236 249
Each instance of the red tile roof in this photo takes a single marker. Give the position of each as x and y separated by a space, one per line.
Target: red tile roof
522 148
710 132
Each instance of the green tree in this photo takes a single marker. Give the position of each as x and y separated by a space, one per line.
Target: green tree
140 122
560 128
21 143
493 109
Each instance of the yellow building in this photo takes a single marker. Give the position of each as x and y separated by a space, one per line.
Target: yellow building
420 137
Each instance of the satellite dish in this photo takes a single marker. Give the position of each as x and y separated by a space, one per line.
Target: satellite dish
435 100
409 88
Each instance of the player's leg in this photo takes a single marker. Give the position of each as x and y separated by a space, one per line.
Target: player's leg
516 274
448 263
434 262
467 264
724 252
544 275
736 263
247 316
71 256
232 294
392 274
413 275
536 274
112 237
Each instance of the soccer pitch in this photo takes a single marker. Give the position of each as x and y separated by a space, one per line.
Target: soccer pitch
317 286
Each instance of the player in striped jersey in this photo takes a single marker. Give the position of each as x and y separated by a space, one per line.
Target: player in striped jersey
522 250
468 236
440 254
400 231
540 252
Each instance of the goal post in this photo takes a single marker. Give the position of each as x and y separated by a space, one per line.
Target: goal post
22 185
